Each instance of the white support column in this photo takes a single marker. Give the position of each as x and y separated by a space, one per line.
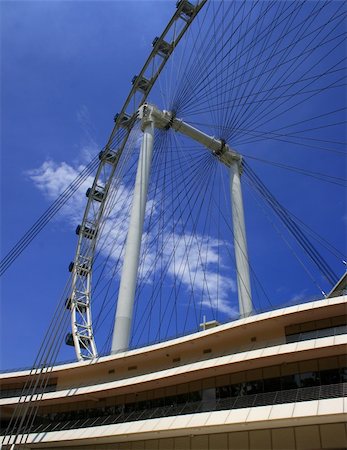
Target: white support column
126 295
240 243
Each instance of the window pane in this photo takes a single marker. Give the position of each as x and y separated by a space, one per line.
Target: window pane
309 379
272 384
330 376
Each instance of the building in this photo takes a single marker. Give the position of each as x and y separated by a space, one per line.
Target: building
275 380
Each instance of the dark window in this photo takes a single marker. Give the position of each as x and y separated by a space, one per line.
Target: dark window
254 387
272 384
290 382
195 396
330 376
309 379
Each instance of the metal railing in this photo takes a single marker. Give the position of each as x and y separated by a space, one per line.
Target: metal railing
92 418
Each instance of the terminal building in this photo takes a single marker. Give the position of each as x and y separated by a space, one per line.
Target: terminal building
275 380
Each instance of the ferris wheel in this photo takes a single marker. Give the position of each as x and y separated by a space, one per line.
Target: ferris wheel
221 76
230 93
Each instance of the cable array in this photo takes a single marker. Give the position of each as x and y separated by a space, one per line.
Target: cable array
47 216
259 76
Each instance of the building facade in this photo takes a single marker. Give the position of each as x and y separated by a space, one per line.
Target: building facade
275 380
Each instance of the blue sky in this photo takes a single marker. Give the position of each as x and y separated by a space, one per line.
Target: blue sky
66 69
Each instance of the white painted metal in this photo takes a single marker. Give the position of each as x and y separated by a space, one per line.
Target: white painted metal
163 47
229 157
126 295
152 117
240 243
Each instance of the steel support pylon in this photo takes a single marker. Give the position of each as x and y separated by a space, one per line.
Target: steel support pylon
240 242
152 117
126 295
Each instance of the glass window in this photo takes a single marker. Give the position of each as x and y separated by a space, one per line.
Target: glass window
325 332
171 400
170 391
209 395
195 386
309 379
195 396
236 378
340 329
323 323
308 335
343 361
223 392
182 398
290 382
254 387
236 389
228 391
330 376
272 384
292 338
130 398
343 375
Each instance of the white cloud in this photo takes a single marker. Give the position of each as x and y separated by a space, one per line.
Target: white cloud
197 267
53 178
299 297
196 257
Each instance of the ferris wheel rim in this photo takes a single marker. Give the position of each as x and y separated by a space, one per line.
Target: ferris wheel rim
79 302
196 77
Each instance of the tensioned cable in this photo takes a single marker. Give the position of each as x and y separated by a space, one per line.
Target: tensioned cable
292 226
153 239
264 135
20 423
45 218
237 118
230 63
310 119
39 375
281 235
262 112
252 269
48 215
207 73
191 191
184 261
318 175
172 189
106 301
194 193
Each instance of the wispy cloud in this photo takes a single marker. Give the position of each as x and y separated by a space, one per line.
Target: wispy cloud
300 296
196 257
53 178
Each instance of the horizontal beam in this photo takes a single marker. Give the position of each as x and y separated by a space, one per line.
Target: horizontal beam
166 119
